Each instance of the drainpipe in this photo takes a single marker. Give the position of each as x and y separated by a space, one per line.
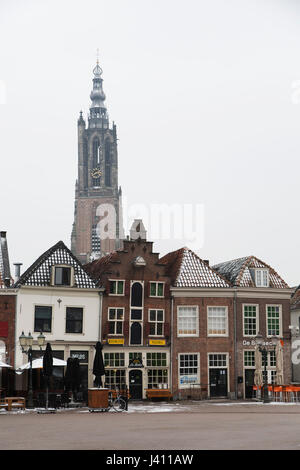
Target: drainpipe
235 345
100 315
171 344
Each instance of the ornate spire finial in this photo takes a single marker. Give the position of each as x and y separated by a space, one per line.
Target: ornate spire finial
97 57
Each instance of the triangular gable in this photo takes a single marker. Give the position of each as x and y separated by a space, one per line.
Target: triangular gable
39 273
191 271
238 271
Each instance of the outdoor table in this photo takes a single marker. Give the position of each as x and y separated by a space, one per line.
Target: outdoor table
13 402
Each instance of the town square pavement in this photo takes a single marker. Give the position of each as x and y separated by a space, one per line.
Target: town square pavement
156 426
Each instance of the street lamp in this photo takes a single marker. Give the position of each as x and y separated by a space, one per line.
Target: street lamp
26 343
264 349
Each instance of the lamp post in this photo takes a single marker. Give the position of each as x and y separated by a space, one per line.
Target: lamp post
26 343
264 348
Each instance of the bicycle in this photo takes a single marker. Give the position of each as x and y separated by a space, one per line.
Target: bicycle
118 404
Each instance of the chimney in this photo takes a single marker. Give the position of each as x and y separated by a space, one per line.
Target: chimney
206 261
17 271
3 234
7 282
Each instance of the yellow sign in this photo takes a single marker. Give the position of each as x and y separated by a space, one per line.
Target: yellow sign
157 342
116 341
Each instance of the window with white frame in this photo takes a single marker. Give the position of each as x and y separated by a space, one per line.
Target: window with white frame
217 360
115 319
187 321
250 320
157 378
274 320
115 379
217 321
156 359
189 373
262 278
114 359
249 358
156 322
116 287
156 289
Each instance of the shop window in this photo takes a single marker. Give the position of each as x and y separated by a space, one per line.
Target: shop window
74 316
43 318
188 370
114 359
115 379
156 359
157 378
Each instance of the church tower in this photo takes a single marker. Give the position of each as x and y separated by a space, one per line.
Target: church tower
97 228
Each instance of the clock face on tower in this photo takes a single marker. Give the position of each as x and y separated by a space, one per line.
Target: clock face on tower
96 173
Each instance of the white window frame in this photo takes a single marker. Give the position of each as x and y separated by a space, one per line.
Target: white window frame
116 320
257 320
72 276
187 335
261 283
188 385
156 322
226 321
117 280
280 320
156 283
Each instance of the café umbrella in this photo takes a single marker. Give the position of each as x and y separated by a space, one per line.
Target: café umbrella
98 366
38 364
47 368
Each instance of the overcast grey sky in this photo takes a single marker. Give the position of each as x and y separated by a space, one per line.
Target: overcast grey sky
206 98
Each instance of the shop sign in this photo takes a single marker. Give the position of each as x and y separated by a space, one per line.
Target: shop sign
135 363
83 356
157 342
188 379
116 341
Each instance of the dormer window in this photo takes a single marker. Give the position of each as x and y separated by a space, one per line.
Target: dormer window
262 278
62 276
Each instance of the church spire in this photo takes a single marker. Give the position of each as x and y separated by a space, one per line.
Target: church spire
98 113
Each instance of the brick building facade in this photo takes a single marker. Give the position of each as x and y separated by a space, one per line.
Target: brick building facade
135 318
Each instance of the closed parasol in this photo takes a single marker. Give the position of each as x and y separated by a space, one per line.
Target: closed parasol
98 366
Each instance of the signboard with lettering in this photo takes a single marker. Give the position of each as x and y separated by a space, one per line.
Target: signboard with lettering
116 341
136 362
83 356
157 342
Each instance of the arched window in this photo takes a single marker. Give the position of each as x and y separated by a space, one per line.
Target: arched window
96 152
107 163
136 294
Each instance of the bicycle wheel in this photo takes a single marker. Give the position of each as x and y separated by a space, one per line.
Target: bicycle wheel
119 404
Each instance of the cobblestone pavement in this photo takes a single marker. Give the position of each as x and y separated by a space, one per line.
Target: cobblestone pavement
156 426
